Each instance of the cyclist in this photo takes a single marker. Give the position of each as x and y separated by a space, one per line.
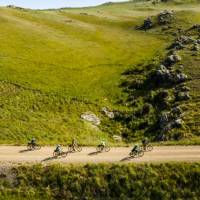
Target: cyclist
58 149
145 142
33 142
136 148
74 142
103 143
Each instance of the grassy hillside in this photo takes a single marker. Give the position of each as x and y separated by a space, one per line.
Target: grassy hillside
57 64
162 181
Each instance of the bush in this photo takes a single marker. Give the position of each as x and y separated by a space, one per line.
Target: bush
107 181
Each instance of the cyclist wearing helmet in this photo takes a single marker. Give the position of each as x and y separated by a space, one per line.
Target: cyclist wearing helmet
58 149
136 148
33 142
103 143
74 142
145 142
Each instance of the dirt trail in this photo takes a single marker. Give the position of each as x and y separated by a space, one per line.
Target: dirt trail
19 154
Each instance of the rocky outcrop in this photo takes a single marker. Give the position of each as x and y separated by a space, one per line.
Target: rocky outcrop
165 17
182 96
91 117
172 59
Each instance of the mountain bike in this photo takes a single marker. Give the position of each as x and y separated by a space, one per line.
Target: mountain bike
57 154
32 147
148 147
74 148
101 148
135 154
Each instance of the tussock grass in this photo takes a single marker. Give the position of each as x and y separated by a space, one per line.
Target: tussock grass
103 181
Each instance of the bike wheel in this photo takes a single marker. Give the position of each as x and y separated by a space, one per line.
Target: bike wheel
55 154
37 147
99 148
107 149
140 153
79 148
29 147
132 154
70 148
64 155
149 148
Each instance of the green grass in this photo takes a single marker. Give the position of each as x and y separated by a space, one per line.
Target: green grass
103 181
57 64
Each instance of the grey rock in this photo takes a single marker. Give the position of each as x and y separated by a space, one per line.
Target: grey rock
181 77
178 123
163 72
195 47
117 138
181 96
181 66
172 59
165 17
177 45
91 117
108 113
196 26
184 89
185 40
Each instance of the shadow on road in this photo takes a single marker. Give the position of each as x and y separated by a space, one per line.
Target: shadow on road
24 151
125 159
94 153
63 155
49 158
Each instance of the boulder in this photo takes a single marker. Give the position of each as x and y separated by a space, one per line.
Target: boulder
172 59
180 77
185 40
198 41
117 138
182 96
91 117
177 45
178 123
108 113
165 17
196 26
181 66
163 73
184 89
195 47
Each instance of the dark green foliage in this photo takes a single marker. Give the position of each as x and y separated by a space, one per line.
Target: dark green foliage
164 83
107 181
